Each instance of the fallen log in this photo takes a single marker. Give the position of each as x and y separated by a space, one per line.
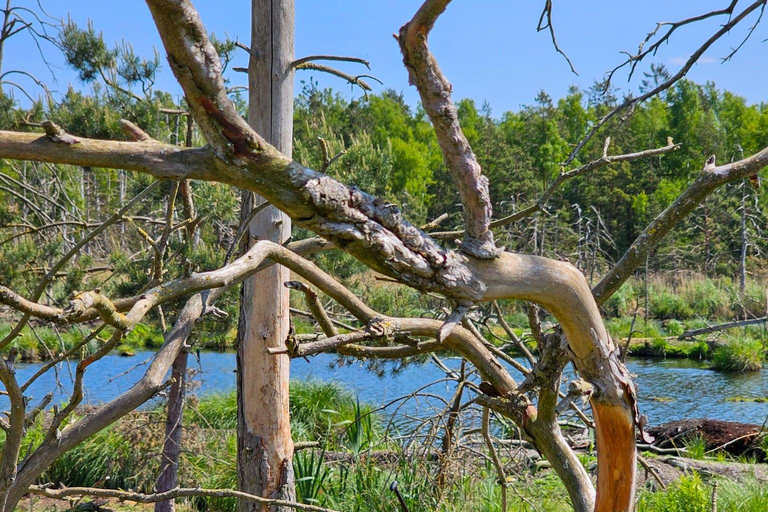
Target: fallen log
721 327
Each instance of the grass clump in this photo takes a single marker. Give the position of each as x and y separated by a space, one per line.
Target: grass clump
689 494
320 411
749 495
696 447
740 354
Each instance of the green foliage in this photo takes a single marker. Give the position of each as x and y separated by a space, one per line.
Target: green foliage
748 495
665 306
689 494
144 336
739 354
121 457
696 447
310 474
359 433
319 411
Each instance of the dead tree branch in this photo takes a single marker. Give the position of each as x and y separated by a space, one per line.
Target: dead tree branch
67 492
564 176
710 178
695 56
435 92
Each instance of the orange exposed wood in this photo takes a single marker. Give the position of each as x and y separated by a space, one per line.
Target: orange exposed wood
615 437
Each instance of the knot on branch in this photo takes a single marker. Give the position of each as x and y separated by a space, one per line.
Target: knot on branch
55 133
576 389
553 356
482 247
83 301
452 320
382 328
514 406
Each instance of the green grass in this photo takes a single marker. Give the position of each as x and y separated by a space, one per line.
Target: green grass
689 494
749 495
692 494
739 354
696 447
320 411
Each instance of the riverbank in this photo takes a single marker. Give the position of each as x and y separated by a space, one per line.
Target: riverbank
650 339
351 456
668 388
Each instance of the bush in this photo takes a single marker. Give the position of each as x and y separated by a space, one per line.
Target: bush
689 494
664 306
739 355
674 327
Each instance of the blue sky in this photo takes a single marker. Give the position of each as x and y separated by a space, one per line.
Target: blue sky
489 49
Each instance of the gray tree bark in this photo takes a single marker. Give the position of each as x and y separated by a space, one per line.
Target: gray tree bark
265 448
169 464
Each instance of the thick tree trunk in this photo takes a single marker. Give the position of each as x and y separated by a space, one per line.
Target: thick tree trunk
169 464
265 448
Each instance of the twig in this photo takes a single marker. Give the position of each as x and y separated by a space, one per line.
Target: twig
66 492
339 58
724 29
354 80
547 13
495 457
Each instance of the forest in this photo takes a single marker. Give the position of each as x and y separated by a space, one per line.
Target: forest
429 370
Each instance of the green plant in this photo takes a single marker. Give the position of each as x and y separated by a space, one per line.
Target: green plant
310 475
748 495
674 327
358 436
689 494
740 354
696 447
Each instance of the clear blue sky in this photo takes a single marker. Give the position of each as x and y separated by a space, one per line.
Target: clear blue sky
489 49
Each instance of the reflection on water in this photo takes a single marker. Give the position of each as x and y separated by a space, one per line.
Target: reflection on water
668 389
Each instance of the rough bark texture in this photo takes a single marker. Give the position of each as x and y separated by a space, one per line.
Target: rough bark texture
435 91
265 448
169 464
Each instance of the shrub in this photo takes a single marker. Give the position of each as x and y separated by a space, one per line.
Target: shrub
689 494
739 355
664 305
674 327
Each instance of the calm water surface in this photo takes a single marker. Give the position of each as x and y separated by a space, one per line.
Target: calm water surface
668 389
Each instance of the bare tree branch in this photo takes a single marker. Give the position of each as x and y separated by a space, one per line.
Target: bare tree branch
317 309
435 92
66 492
709 179
338 58
354 80
724 29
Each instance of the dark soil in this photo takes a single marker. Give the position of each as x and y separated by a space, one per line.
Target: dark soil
735 438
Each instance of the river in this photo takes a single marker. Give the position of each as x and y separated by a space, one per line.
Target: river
668 389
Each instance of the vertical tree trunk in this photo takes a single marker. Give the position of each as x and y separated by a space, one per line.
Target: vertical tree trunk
169 463
265 448
744 245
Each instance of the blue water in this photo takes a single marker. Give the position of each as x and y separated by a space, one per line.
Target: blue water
668 389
